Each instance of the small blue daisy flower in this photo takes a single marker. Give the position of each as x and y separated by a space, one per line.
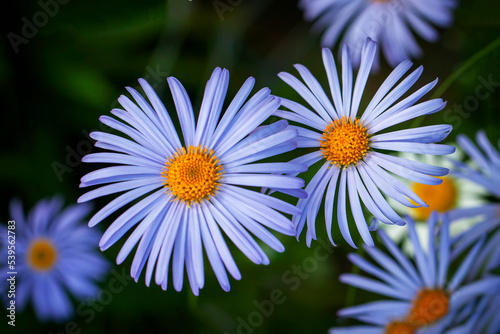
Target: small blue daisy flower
189 193
391 23
487 174
425 297
55 256
346 140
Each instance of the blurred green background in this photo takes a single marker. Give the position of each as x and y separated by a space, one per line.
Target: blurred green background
75 66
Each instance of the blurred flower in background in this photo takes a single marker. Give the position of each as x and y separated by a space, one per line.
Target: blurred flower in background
56 257
485 171
391 23
452 193
192 190
427 297
347 143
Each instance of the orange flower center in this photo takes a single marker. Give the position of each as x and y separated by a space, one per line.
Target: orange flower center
41 255
192 176
441 197
344 142
429 306
399 327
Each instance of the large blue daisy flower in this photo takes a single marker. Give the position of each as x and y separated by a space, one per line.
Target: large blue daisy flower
392 23
486 173
426 298
192 191
347 139
55 256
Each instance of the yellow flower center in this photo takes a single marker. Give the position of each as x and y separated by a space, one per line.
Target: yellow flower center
441 197
42 254
399 327
344 142
429 306
191 176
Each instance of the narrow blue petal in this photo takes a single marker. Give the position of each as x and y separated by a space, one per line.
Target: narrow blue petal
356 209
219 241
184 110
318 93
333 79
304 91
231 111
341 210
400 257
346 80
402 146
369 284
405 173
165 119
367 57
212 253
270 181
119 202
386 86
179 254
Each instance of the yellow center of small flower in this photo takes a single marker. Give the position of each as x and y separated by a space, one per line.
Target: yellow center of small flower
399 327
344 142
441 197
41 255
429 306
192 176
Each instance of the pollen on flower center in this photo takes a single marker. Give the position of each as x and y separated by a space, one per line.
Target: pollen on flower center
429 306
441 197
41 255
192 176
344 141
399 327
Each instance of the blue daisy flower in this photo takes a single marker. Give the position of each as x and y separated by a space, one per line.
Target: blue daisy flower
391 23
426 298
348 140
55 256
192 192
486 174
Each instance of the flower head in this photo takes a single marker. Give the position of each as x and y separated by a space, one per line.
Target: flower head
426 296
349 140
191 191
388 22
55 257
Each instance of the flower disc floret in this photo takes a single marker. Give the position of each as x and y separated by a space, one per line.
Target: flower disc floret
41 255
192 175
345 141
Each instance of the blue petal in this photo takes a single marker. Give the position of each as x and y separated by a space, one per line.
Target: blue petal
386 86
230 112
341 210
184 110
368 55
333 79
165 119
346 80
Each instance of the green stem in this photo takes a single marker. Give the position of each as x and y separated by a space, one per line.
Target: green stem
461 70
351 290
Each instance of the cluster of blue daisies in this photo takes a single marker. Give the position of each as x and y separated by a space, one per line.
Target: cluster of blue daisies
181 194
